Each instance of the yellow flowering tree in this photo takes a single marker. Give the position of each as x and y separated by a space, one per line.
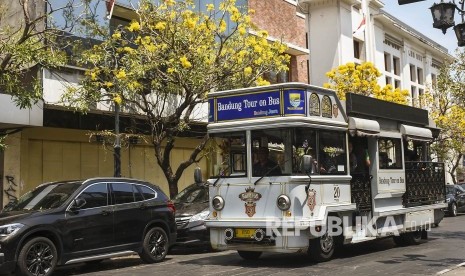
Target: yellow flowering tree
363 79
23 52
166 62
448 112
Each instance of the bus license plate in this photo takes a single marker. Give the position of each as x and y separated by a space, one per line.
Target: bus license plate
244 233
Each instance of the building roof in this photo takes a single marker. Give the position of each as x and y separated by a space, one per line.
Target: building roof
414 33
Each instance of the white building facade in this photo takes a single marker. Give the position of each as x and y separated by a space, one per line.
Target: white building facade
342 31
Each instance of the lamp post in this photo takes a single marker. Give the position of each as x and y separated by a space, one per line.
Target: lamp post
443 18
117 144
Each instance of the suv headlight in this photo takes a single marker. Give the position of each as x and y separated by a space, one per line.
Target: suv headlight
218 203
10 229
200 216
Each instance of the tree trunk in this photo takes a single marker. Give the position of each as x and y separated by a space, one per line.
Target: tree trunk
173 186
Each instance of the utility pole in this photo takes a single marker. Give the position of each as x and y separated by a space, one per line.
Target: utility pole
117 144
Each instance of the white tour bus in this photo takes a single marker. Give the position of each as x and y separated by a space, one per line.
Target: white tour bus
296 170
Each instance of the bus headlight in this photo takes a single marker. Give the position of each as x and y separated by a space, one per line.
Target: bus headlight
283 202
218 203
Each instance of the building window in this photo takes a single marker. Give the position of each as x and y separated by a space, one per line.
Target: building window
396 65
420 75
358 49
387 62
397 84
433 80
388 80
412 73
279 77
276 77
420 94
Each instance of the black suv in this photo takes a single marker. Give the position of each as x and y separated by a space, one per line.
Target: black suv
85 221
455 197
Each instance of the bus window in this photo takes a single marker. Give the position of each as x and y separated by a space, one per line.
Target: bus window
332 158
230 159
390 156
303 143
269 152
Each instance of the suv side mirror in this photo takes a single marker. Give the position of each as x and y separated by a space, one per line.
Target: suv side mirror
77 204
198 175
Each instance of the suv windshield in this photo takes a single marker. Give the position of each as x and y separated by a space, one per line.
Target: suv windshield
192 194
45 197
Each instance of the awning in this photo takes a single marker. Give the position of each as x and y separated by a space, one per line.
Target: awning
416 133
363 127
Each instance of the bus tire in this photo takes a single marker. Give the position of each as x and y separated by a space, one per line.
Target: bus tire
413 238
322 248
249 255
410 238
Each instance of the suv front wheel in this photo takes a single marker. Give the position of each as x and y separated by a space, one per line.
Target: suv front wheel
37 257
155 246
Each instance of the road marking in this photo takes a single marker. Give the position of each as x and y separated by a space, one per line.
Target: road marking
450 269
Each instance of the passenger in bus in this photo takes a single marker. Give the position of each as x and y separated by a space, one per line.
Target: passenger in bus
359 160
264 165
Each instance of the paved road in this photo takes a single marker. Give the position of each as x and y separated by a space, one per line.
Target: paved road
443 254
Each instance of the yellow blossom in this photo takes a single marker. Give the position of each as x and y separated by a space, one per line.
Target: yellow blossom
134 26
190 23
116 35
184 62
261 82
222 26
108 84
247 70
170 2
117 99
210 7
93 76
171 70
121 74
160 26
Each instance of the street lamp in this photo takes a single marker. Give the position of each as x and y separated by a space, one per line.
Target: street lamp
443 18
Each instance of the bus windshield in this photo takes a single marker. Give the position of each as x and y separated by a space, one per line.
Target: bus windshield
279 151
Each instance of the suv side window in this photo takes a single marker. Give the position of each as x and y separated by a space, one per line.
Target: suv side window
123 193
95 196
147 192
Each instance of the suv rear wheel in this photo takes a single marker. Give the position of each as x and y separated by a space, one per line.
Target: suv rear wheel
38 257
155 246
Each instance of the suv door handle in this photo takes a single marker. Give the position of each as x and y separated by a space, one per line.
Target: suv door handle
105 213
142 206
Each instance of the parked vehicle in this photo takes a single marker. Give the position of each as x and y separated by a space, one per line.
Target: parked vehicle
281 178
461 184
455 197
68 222
191 211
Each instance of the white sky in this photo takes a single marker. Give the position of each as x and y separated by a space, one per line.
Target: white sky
418 16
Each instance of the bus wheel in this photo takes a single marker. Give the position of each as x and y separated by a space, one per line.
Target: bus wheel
414 238
322 249
410 238
249 255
